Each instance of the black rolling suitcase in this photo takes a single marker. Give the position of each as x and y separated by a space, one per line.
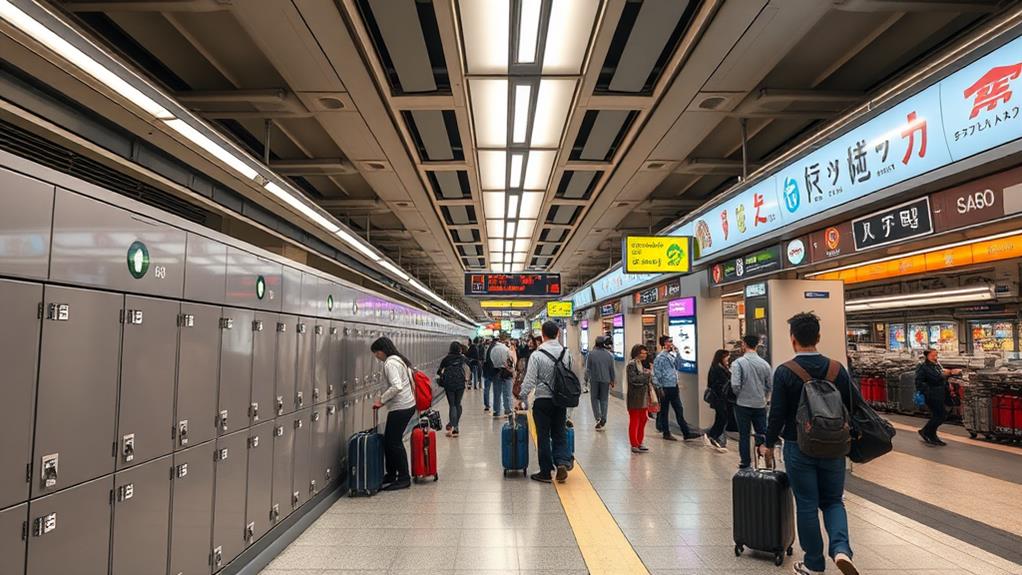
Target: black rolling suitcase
764 516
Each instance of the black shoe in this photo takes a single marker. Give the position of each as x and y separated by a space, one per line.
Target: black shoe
541 477
669 437
744 466
397 485
599 426
486 410
569 424
926 438
690 436
387 480
603 423
562 473
937 441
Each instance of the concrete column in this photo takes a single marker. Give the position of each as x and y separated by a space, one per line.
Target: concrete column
633 336
709 338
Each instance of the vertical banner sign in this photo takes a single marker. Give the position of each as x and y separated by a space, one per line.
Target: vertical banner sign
902 222
583 334
618 334
681 326
657 254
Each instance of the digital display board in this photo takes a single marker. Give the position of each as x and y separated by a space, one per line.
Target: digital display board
681 326
584 337
483 284
619 337
559 309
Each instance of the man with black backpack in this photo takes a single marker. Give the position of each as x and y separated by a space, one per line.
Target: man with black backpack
557 388
808 411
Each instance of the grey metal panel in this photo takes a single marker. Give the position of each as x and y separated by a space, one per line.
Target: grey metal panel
191 522
320 452
302 452
19 356
141 518
402 33
650 33
92 245
283 466
264 361
79 541
312 295
205 269
292 288
605 130
252 281
25 224
272 273
260 480
337 441
450 185
235 370
287 350
320 360
77 395
335 361
305 360
229 504
145 413
331 294
12 543
433 132
197 374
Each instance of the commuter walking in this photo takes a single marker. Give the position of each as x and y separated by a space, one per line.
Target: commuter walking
521 365
475 359
640 387
931 380
551 434
600 375
818 483
750 381
454 374
665 380
718 388
502 360
400 401
488 373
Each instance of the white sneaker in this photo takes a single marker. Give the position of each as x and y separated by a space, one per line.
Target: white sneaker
844 564
799 568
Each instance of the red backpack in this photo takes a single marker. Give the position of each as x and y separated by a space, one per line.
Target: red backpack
423 388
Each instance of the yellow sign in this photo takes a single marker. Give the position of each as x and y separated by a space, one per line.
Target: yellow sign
759 313
537 325
505 304
559 309
658 254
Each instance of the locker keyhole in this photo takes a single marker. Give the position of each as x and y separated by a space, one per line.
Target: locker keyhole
182 432
128 447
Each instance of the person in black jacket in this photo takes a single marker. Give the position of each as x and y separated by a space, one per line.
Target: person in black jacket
719 385
454 373
475 361
931 379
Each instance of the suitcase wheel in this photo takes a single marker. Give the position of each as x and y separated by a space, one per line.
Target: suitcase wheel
779 559
436 477
738 550
972 435
790 551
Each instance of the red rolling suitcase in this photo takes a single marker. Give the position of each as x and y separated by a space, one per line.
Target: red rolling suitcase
764 515
424 451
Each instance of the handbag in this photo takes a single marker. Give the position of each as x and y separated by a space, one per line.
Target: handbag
871 435
709 396
652 400
919 399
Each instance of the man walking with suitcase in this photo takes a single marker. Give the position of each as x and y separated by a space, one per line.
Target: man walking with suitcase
818 483
551 433
750 380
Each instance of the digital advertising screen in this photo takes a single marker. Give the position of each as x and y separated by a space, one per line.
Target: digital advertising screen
584 337
681 326
618 335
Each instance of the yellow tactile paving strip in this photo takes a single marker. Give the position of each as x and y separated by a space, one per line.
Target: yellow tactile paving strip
604 547
998 502
963 440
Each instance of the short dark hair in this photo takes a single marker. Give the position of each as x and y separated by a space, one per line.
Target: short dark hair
456 348
637 350
927 352
664 339
805 328
551 329
751 340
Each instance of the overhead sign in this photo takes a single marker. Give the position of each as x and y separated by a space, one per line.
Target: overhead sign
505 304
902 222
582 298
656 294
796 252
832 242
765 261
610 308
973 202
559 309
617 281
682 307
657 254
756 290
512 284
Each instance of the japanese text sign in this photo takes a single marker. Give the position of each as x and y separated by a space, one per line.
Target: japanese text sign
908 220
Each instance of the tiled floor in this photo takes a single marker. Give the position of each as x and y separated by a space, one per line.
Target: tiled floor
673 505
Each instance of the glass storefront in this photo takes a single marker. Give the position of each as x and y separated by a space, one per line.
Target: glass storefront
993 335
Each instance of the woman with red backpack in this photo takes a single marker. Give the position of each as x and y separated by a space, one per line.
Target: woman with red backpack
400 401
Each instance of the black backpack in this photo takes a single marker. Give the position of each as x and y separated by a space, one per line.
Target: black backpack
822 418
488 368
565 385
872 435
453 377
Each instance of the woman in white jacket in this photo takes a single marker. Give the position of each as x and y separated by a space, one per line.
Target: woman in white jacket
400 401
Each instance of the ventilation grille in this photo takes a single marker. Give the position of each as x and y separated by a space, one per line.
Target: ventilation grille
31 147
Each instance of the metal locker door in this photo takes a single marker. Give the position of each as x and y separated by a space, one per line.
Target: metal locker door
69 531
318 462
145 415
141 518
231 458
287 349
334 372
19 356
13 528
198 371
235 370
346 361
320 361
283 464
77 395
264 356
191 515
336 441
305 363
303 447
260 478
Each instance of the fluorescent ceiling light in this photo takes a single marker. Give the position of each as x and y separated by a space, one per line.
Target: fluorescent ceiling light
212 148
33 28
492 169
497 268
523 92
507 267
300 206
528 31
739 293
510 229
495 229
358 244
489 111
516 170
496 245
512 205
537 173
509 246
393 269
553 102
518 268
531 202
525 228
493 204
497 257
518 258
924 298
486 28
571 25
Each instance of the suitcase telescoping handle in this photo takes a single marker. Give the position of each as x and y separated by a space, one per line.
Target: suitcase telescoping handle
376 417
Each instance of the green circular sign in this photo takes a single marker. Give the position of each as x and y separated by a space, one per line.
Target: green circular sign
138 259
330 302
260 287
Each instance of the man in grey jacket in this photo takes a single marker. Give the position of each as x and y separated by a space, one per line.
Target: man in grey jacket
551 434
600 375
751 382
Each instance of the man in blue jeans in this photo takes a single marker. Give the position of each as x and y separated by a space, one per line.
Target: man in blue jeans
750 380
551 434
817 484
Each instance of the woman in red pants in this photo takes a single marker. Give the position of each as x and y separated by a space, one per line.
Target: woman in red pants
639 381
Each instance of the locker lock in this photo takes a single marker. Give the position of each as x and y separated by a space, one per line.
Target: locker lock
295 498
186 320
333 331
49 473
329 473
126 492
300 328
182 432
257 325
299 399
250 531
43 525
181 471
58 312
330 389
128 447
312 487
278 431
331 409
218 557
315 394
281 327
223 420
133 317
315 416
253 442
280 405
220 454
319 330
299 423
226 323
275 513
253 411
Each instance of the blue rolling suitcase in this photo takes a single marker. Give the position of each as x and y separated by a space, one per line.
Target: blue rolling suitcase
514 443
365 461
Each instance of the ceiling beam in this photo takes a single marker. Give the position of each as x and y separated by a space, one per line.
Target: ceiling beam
150 6
314 167
775 95
713 166
916 6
